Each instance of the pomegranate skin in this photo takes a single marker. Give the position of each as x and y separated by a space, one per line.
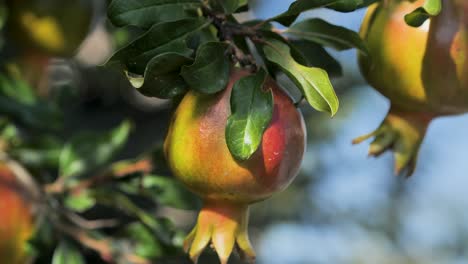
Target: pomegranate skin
16 216
423 71
199 157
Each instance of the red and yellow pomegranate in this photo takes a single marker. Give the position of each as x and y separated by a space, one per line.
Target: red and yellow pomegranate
16 218
423 71
198 155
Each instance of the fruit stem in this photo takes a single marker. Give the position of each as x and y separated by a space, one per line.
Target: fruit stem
224 225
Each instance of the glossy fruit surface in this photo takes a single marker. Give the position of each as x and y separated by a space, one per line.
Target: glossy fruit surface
198 155
423 71
15 217
52 27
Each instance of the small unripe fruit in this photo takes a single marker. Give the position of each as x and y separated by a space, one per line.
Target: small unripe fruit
198 155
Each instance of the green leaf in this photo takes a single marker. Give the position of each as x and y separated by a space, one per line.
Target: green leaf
130 207
169 192
161 38
421 14
162 77
322 32
86 152
144 243
299 6
228 6
66 253
312 54
43 152
350 5
313 82
252 110
145 13
210 71
19 102
80 202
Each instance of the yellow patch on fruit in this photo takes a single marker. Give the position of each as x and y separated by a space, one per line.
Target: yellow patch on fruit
44 30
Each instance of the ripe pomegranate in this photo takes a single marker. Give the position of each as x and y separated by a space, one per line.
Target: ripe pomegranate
198 155
423 71
16 218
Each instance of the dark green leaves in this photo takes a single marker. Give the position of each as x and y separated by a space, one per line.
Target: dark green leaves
429 9
252 110
161 38
350 5
89 151
314 82
17 100
210 71
299 6
322 32
162 77
145 13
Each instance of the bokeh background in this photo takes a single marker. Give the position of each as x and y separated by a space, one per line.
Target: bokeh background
343 207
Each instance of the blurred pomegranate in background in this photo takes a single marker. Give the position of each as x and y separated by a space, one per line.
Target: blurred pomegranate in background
16 218
423 71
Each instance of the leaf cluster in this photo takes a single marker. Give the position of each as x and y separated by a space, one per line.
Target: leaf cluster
194 45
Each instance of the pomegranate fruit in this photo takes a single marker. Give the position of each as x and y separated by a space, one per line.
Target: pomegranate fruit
199 157
423 71
16 218
39 30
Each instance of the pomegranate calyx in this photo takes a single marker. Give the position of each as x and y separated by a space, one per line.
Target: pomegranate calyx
403 133
224 225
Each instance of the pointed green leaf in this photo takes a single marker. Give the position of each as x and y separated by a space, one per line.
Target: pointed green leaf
67 253
312 54
252 110
322 32
80 202
210 71
313 82
161 38
421 14
144 243
299 6
162 79
145 13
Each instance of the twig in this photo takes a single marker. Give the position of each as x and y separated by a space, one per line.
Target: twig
117 170
101 246
89 224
